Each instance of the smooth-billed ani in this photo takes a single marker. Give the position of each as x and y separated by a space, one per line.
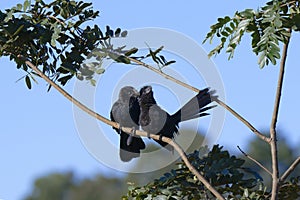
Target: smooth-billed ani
126 112
155 120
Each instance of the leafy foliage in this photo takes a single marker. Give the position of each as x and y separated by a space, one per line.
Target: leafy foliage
159 59
290 189
228 174
224 172
52 37
268 26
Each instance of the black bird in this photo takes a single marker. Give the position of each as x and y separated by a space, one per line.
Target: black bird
155 120
126 112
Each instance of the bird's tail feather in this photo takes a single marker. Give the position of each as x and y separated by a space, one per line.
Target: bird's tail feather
195 107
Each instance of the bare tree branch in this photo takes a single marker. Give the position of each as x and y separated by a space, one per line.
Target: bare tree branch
257 162
290 170
221 103
252 128
273 134
128 130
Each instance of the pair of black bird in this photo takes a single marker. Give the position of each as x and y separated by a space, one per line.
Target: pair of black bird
134 109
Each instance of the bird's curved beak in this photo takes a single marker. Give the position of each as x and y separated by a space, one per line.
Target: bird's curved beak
136 93
148 89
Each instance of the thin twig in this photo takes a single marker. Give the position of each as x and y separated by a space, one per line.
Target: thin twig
221 103
290 170
257 162
273 136
128 130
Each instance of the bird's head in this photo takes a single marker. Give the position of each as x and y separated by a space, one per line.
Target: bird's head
146 95
128 92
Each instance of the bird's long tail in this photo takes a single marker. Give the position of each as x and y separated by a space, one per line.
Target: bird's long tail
195 107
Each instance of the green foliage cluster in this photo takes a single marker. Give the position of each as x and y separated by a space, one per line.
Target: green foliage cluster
226 173
268 26
51 36
223 171
290 189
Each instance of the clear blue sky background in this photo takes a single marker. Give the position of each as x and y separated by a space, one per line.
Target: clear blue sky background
38 135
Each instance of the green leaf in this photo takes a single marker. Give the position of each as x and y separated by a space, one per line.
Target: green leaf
69 67
262 60
56 10
28 82
65 79
109 32
271 58
117 32
26 5
163 59
123 59
100 71
9 16
18 30
131 51
158 50
170 62
64 13
93 82
119 58
124 34
19 6
277 22
79 76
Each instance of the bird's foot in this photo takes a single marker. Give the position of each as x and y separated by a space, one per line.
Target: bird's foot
120 129
148 135
160 137
133 134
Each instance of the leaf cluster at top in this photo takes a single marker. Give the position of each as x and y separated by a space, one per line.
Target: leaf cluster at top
268 26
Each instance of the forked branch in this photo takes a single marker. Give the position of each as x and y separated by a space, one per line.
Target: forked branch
258 163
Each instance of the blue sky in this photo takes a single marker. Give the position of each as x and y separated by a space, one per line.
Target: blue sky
38 133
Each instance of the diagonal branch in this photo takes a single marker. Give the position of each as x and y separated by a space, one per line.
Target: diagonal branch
252 128
258 163
128 130
290 170
273 134
238 116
